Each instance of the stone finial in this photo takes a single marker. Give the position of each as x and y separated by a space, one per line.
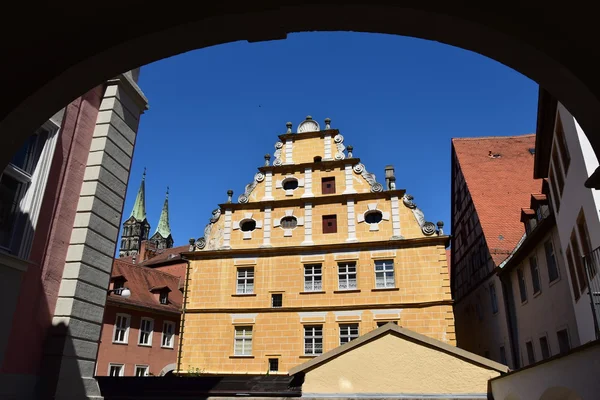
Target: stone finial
392 180
192 241
327 123
350 148
289 127
229 195
440 226
308 117
267 158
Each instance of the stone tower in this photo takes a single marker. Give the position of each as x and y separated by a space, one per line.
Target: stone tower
162 237
136 228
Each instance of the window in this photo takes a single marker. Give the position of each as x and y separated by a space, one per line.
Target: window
248 225
276 300
329 223
168 333
503 355
245 280
373 217
578 262
493 298
384 274
554 186
121 332
289 222
584 238
551 261
118 285
313 340
383 323
116 369
545 347
328 185
348 332
290 184
530 354
561 141
163 297
574 282
312 278
141 370
563 341
535 275
522 287
243 341
273 364
146 326
346 276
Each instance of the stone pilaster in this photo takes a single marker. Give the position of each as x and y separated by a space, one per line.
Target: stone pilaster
267 228
396 233
288 151
351 222
268 186
70 353
349 179
227 230
327 140
308 224
308 183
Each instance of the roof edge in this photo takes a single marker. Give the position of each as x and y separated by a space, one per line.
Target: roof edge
546 119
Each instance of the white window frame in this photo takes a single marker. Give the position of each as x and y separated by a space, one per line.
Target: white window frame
121 327
121 369
311 332
311 278
171 343
163 295
146 369
149 331
243 275
344 280
346 333
387 266
32 194
243 335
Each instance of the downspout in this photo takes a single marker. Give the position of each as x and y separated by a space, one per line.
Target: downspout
182 325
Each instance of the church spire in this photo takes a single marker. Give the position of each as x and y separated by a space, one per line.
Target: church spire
139 208
163 227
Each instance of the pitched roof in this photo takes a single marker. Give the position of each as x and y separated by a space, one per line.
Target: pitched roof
162 256
499 186
403 333
139 207
140 280
163 228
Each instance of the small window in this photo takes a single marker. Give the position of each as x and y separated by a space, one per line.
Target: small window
163 297
168 333
522 287
373 217
121 331
493 298
530 353
313 340
116 369
383 323
317 159
243 341
313 274
564 344
551 261
384 274
273 364
289 222
141 370
328 185
545 347
348 332
118 285
535 275
277 300
146 327
347 276
503 355
329 223
245 281
248 225
290 184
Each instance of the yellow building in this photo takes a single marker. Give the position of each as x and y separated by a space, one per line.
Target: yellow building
315 253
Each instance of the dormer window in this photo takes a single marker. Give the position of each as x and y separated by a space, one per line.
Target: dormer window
161 294
118 283
163 297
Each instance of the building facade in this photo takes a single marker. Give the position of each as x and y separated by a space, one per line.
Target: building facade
314 254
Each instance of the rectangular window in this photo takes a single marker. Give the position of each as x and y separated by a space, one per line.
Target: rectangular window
584 238
535 274
347 276
141 370
560 176
561 141
277 300
313 278
578 262
163 297
243 341
121 332
551 261
273 364
574 282
245 280
554 187
329 223
116 369
503 355
493 298
384 274
168 333
146 326
348 332
313 340
564 344
383 323
522 287
545 347
328 185
530 353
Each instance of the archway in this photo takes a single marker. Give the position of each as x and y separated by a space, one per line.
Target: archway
168 370
563 63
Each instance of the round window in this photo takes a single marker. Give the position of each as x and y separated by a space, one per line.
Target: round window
248 225
290 184
373 217
289 222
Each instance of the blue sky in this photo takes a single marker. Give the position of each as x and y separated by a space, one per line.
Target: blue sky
215 112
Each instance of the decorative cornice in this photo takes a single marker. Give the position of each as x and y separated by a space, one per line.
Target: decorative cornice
308 135
316 166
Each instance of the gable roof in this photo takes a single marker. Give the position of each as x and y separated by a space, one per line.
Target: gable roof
140 281
404 333
499 186
166 256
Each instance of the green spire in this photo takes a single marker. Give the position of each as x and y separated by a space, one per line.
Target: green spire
163 223
139 208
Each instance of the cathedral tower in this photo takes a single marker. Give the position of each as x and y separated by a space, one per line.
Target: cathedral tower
162 237
136 228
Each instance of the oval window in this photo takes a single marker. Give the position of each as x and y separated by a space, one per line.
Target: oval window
373 217
248 225
289 222
290 184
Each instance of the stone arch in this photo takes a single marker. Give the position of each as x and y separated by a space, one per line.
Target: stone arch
168 368
560 393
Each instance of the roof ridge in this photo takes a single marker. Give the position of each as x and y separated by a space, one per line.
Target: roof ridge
493 137
150 269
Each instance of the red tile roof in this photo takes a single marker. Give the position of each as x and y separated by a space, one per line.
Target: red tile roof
166 255
140 280
499 186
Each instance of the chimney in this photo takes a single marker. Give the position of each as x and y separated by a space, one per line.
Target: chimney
389 172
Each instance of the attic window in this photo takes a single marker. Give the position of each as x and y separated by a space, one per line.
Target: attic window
163 297
532 151
248 225
373 217
494 155
118 285
290 184
317 159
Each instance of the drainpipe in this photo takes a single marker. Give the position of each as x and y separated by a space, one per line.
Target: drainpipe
182 324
